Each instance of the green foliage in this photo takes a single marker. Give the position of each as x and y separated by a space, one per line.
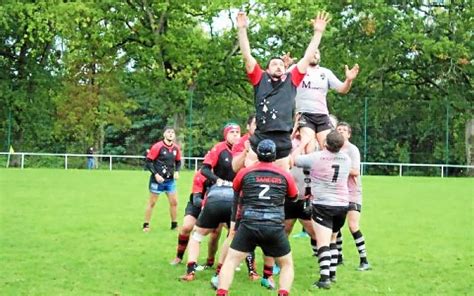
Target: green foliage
112 74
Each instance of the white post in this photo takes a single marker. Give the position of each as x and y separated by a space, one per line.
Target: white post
401 170
110 162
22 160
195 164
65 161
442 171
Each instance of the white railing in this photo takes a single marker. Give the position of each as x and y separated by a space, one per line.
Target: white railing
196 161
67 156
400 166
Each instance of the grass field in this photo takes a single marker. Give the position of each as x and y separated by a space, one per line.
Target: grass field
78 232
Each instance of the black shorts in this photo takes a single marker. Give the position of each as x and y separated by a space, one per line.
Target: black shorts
215 213
355 207
272 239
192 210
316 122
330 217
282 141
296 210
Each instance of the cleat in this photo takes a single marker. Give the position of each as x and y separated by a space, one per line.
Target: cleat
176 261
323 284
253 276
146 227
301 234
188 277
333 279
364 267
276 269
200 267
268 283
215 281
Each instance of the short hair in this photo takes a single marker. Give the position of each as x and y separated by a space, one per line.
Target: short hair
343 123
168 127
334 141
274 58
250 118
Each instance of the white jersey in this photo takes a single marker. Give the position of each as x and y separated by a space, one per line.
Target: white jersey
329 174
354 183
312 91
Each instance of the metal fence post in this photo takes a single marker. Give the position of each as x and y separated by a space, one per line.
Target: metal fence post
65 161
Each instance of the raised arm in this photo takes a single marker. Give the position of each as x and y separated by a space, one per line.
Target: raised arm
242 23
319 25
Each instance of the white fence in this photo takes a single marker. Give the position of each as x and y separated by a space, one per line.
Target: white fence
194 162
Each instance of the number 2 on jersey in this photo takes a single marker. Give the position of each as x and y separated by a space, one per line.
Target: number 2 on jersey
336 172
265 189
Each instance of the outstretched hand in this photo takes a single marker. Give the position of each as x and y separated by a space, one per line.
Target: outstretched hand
320 21
351 74
242 20
288 60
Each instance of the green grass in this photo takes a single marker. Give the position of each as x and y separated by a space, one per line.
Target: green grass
78 232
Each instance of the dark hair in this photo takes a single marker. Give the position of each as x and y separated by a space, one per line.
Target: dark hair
343 123
334 141
266 151
274 58
250 118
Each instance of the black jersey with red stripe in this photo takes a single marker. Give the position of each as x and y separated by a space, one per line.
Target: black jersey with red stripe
274 100
219 158
262 190
166 159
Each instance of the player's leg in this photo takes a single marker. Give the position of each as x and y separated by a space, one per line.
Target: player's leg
287 274
149 210
212 246
183 237
193 251
322 224
244 242
339 218
308 139
353 218
308 227
321 137
173 201
340 257
226 275
289 223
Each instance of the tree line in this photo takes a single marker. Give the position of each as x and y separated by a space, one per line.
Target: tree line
112 74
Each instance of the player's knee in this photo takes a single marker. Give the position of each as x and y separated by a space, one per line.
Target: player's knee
353 226
197 236
173 202
186 228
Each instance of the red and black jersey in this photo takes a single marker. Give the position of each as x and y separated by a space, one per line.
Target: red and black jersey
219 159
166 159
262 190
274 100
199 183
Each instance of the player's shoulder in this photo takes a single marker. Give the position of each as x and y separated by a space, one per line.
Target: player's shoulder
325 70
157 145
353 147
